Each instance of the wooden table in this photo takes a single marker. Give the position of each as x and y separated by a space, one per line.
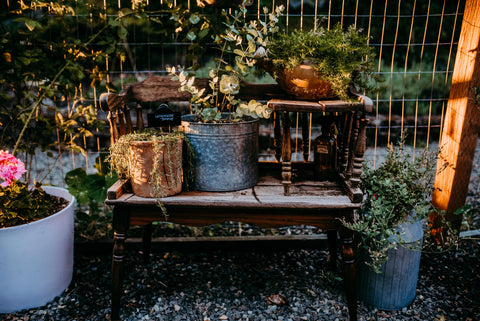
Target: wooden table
286 195
319 204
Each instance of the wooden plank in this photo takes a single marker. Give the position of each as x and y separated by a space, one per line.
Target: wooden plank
367 102
161 89
462 120
265 198
314 106
117 189
208 243
164 89
303 196
354 193
268 193
260 91
260 217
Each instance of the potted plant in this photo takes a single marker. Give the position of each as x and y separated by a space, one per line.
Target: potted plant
390 227
36 239
321 63
222 129
152 161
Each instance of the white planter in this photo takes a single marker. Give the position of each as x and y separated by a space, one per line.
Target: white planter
36 259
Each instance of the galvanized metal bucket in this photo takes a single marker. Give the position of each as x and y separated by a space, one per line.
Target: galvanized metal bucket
395 286
226 154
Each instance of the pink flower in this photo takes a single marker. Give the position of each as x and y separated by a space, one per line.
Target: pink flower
11 168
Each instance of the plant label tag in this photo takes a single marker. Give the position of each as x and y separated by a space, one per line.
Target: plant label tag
163 117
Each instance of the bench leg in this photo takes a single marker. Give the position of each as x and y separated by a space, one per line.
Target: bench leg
348 258
332 250
147 242
120 226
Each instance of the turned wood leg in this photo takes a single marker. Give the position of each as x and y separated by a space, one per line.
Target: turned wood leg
306 136
147 242
286 155
348 258
359 152
277 140
120 227
332 249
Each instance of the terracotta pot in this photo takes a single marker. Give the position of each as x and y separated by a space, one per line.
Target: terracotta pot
223 3
304 82
142 157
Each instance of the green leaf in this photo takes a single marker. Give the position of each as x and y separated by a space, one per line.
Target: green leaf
191 36
251 47
122 32
124 12
239 52
96 188
113 22
240 65
32 24
203 33
110 179
194 19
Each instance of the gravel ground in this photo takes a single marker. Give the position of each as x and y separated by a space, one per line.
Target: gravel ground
225 285
235 285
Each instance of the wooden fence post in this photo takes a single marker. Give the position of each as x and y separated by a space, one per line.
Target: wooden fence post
462 120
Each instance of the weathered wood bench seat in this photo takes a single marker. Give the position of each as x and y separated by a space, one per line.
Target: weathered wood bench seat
286 194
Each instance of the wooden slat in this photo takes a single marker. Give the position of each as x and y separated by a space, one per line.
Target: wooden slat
206 243
160 88
268 217
164 89
314 106
117 189
266 194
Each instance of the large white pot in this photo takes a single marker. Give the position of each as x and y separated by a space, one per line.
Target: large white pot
36 259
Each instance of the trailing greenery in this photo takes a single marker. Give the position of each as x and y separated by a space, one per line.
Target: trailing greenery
342 57
399 188
119 157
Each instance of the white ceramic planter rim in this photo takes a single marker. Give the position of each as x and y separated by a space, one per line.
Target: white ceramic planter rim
55 191
36 259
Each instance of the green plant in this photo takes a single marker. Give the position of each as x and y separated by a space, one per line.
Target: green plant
397 190
92 216
21 204
46 83
341 57
239 45
120 162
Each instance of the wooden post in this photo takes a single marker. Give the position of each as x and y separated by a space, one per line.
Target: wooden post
462 120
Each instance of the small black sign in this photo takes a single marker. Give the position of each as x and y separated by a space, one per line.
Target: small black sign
163 117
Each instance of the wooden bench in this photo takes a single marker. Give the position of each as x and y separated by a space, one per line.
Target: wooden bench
286 194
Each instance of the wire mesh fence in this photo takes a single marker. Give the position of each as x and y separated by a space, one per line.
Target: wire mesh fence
415 44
